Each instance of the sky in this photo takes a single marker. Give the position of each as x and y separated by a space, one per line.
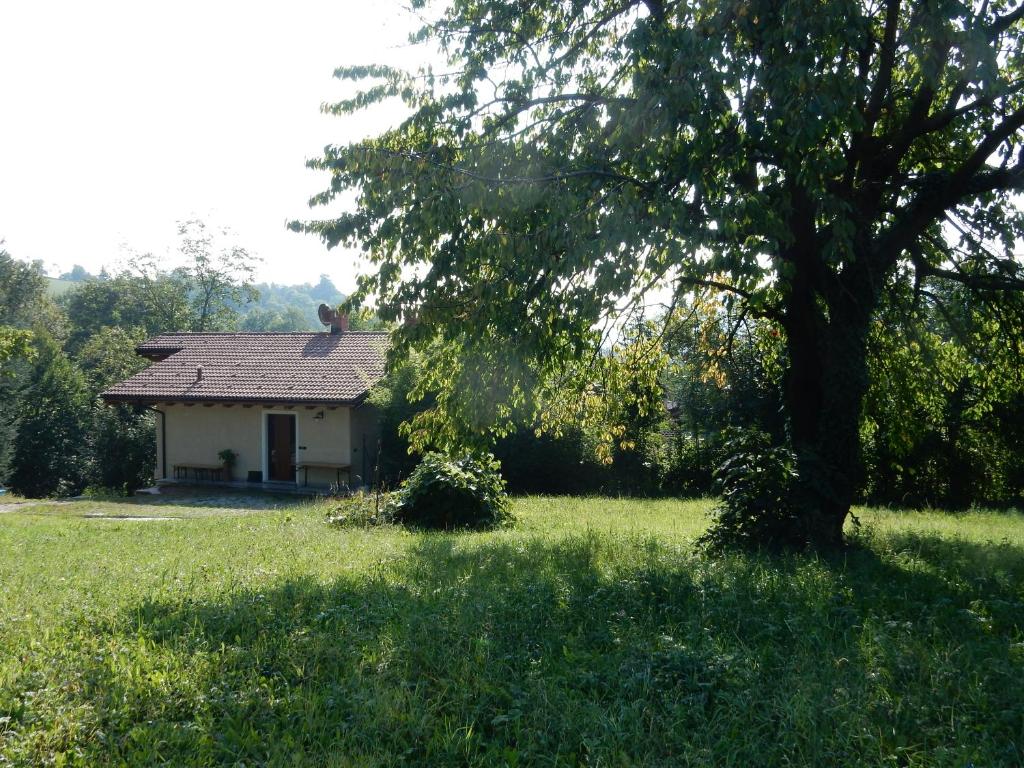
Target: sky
119 119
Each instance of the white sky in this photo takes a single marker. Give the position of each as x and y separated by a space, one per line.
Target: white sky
118 119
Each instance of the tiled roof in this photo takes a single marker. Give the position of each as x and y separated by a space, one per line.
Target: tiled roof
316 368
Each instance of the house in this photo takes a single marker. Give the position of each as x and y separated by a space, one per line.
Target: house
290 406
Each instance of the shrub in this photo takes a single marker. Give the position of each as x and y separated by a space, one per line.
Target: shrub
756 481
445 492
361 510
123 448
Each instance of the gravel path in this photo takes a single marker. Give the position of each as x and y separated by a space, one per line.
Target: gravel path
13 506
156 507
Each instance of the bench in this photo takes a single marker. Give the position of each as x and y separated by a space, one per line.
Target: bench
200 472
339 468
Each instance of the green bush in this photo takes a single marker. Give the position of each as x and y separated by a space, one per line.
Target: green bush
122 446
756 481
446 493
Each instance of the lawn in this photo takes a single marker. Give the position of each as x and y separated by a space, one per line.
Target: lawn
591 633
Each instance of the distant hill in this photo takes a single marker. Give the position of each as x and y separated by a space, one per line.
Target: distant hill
55 286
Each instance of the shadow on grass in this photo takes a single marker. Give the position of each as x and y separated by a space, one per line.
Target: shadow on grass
482 652
230 498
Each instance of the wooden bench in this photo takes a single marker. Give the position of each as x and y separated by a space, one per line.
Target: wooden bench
201 473
338 468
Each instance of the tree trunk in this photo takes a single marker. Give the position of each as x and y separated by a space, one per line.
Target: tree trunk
958 495
826 381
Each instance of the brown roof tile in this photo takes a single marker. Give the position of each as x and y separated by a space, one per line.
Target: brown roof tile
256 367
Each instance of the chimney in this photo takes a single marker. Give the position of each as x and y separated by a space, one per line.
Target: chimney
199 373
337 321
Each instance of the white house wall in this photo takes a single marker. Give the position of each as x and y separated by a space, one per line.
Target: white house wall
196 434
323 440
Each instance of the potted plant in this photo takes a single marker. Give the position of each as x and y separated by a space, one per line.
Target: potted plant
229 458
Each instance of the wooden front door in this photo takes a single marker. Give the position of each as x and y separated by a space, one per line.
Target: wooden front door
281 447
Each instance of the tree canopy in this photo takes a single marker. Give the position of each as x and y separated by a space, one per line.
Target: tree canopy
805 159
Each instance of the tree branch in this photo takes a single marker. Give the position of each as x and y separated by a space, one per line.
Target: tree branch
887 59
1001 23
986 282
950 189
700 282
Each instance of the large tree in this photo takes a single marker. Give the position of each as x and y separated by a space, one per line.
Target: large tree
806 158
219 276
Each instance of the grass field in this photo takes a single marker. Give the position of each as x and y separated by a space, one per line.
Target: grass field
591 633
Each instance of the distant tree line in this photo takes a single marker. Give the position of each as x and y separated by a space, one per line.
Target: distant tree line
943 422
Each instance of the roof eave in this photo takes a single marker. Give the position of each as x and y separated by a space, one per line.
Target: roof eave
116 398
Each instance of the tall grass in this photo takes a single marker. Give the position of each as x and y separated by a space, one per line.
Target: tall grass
591 633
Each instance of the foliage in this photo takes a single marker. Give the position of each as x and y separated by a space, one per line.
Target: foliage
392 398
591 633
544 463
108 355
804 159
361 509
122 448
946 391
49 456
141 296
756 508
724 372
629 404
530 462
448 493
122 445
14 344
22 287
288 307
228 456
262 320
23 306
203 294
217 276
77 274
688 463
10 394
939 419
